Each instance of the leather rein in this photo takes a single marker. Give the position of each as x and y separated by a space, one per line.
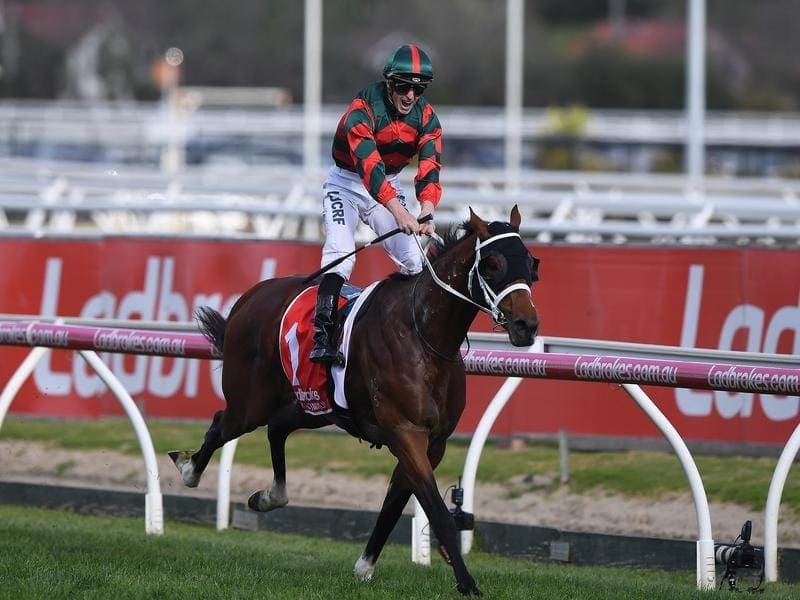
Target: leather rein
491 298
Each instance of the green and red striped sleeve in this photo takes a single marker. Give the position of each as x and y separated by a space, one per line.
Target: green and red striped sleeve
429 150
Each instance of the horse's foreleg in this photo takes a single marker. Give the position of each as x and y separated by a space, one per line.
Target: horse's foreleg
396 499
410 448
288 419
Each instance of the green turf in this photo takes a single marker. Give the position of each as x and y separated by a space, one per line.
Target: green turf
51 554
737 479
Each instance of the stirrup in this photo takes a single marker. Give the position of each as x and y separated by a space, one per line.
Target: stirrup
324 354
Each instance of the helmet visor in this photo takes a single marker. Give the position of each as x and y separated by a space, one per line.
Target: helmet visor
413 78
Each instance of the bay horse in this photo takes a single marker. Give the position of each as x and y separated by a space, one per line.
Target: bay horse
404 380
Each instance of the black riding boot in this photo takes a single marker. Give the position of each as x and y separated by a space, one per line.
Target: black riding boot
325 321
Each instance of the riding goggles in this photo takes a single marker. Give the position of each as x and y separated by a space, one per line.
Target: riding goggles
402 87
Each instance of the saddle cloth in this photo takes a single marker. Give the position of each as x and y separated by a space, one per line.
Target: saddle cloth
309 380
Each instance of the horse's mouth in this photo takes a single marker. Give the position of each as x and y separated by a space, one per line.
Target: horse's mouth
522 332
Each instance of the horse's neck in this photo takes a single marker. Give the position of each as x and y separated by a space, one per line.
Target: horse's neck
441 314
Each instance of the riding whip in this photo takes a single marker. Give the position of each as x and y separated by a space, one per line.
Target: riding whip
378 239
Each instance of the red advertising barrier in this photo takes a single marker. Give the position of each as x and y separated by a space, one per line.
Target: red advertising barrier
737 299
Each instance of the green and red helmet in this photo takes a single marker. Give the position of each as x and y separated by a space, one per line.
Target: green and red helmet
409 63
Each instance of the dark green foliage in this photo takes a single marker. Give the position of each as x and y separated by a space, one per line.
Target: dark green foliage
583 11
259 43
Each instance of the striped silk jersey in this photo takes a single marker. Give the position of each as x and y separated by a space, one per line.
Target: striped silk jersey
374 140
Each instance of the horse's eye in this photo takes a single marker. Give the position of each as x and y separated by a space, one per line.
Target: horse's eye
491 266
494 267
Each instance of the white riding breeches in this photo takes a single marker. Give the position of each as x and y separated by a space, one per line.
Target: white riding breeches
345 200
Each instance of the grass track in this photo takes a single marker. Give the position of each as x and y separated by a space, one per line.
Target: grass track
51 554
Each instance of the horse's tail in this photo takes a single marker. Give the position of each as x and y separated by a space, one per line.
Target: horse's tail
212 325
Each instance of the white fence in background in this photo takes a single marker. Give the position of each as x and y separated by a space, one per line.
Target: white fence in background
255 187
21 331
57 198
129 123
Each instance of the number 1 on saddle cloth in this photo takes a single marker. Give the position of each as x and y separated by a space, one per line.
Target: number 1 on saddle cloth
310 381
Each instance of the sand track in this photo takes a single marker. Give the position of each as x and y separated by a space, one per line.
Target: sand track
671 516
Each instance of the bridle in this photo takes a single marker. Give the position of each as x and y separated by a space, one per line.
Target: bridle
491 298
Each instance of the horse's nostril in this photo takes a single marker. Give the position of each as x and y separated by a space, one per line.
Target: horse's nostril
526 325
529 328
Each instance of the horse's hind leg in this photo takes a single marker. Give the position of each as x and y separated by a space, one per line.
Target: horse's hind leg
288 419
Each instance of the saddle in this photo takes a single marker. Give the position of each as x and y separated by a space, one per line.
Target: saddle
312 383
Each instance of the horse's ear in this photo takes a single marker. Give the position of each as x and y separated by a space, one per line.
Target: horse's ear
478 224
516 219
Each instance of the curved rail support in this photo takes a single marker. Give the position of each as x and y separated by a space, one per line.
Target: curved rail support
706 572
773 505
19 378
224 484
154 506
420 535
478 441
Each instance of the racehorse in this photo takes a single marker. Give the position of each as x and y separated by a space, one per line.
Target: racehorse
404 380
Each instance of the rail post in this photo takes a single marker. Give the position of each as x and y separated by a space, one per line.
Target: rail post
774 503
706 571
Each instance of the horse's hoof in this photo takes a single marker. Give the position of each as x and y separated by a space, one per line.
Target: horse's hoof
469 590
262 501
183 461
364 569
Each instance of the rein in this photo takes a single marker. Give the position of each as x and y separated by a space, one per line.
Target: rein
418 331
492 299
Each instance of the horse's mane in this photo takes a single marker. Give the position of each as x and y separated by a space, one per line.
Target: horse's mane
450 238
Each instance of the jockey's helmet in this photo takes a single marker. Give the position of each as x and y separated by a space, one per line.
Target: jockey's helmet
409 63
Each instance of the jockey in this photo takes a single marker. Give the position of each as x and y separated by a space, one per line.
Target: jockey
386 125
